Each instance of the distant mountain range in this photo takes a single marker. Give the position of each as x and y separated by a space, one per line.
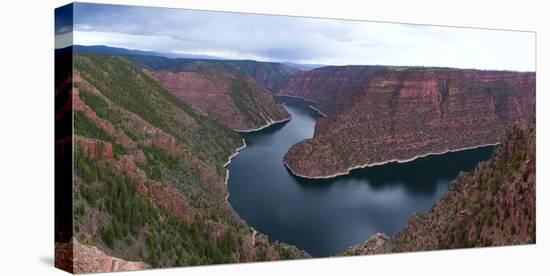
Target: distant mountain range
117 51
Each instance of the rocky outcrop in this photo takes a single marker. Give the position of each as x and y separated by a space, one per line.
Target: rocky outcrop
257 247
78 258
392 114
95 148
235 101
378 243
164 196
104 125
491 206
327 85
171 199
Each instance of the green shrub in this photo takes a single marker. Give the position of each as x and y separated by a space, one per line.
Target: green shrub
107 236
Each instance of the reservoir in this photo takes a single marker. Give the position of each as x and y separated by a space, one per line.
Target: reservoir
325 217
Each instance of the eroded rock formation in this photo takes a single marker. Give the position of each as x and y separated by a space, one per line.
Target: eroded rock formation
78 258
491 206
382 114
378 243
236 101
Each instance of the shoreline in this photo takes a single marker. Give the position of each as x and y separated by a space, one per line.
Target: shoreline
297 97
227 170
237 150
399 161
318 110
254 233
270 123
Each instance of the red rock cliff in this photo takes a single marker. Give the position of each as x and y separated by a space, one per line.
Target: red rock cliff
380 114
237 102
78 258
494 205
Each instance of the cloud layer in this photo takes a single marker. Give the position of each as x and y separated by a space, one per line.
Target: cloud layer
300 40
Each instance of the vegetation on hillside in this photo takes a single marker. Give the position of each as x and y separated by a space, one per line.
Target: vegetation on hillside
267 74
132 90
168 165
132 226
244 100
492 206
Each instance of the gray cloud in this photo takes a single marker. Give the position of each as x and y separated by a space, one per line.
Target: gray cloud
297 39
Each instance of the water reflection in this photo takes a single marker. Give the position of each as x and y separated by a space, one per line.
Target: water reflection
418 177
325 217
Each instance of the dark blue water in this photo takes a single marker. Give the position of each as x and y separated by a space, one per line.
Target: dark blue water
324 217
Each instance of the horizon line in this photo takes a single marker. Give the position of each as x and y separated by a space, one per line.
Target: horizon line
217 58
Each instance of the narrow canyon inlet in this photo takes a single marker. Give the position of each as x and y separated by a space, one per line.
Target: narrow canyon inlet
325 217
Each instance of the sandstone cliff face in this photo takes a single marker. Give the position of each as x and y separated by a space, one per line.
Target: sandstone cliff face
95 148
235 101
378 243
494 205
267 74
327 85
77 258
380 114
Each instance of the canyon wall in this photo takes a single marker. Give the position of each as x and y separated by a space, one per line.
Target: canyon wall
234 100
149 184
379 114
495 205
268 74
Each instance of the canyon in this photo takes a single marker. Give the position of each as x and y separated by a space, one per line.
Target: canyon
378 114
324 217
234 100
153 137
492 206
236 93
149 177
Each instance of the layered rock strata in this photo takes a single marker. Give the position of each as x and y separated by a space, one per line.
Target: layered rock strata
376 115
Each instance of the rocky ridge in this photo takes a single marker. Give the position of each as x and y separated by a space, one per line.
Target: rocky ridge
78 258
234 100
149 176
381 114
267 74
491 206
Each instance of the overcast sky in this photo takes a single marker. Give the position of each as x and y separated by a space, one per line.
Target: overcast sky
296 39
